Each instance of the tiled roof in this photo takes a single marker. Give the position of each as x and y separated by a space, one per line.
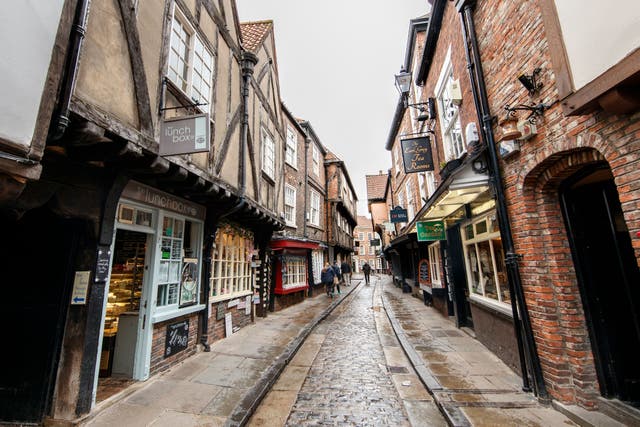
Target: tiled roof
364 221
254 33
376 186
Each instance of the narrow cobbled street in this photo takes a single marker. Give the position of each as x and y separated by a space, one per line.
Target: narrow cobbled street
359 376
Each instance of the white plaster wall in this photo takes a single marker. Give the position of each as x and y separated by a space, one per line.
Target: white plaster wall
597 34
27 34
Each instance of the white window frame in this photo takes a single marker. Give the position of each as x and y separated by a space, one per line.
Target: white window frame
396 155
314 208
488 232
294 274
195 78
317 258
291 155
449 113
434 263
231 274
315 160
268 154
410 200
290 205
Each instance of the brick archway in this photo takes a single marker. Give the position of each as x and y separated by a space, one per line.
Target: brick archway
549 278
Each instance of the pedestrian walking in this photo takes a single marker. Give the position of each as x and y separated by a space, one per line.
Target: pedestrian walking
338 280
327 276
366 268
346 273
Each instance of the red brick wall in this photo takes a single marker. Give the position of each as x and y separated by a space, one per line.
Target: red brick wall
284 301
512 41
217 327
158 361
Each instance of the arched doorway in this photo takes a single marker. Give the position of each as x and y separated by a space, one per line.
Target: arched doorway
608 278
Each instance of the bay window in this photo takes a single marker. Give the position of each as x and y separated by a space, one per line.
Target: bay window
231 274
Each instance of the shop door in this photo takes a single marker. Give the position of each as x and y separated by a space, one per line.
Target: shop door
608 278
122 319
36 260
456 278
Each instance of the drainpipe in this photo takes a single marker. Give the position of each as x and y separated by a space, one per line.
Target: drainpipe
78 30
249 60
524 331
307 142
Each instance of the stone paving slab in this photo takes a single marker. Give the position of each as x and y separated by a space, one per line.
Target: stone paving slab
470 385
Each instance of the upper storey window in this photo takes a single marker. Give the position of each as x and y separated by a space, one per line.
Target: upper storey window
448 100
190 62
292 147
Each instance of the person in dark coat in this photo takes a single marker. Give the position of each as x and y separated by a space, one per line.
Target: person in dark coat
336 269
326 277
346 272
366 268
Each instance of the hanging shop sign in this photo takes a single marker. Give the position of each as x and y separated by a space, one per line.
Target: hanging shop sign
430 230
177 338
416 154
183 135
398 214
374 242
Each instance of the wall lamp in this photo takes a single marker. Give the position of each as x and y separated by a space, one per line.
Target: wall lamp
530 81
403 84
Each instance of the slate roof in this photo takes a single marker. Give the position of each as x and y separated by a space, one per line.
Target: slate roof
376 186
254 33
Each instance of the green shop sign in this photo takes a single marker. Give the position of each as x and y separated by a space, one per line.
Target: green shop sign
430 230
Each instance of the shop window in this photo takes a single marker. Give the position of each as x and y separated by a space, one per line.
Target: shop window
434 263
484 259
231 263
179 266
317 257
294 272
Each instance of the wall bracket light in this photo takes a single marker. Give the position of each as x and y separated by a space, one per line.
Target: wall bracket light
403 84
530 81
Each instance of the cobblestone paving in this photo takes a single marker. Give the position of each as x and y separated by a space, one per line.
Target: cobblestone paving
348 384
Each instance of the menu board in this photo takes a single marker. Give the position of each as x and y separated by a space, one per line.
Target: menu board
177 338
423 272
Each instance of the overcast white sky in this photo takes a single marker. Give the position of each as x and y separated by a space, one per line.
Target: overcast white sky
337 60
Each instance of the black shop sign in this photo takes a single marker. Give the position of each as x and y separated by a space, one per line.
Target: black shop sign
177 338
416 154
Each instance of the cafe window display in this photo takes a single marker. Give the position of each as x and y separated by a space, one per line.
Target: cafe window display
484 259
231 263
294 272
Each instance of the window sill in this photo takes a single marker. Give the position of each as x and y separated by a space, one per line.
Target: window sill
495 306
161 317
227 297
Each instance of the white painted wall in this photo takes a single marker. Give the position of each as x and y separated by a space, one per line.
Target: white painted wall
27 34
597 34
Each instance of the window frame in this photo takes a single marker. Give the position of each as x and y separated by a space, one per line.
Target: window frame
449 126
190 61
434 263
490 234
268 157
291 153
315 161
239 275
314 219
290 203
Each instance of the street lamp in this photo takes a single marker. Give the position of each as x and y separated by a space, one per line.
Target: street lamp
403 84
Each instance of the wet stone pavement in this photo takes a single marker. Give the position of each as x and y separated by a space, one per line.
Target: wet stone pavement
355 374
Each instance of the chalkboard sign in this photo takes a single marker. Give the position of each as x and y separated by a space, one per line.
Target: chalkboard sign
423 271
102 265
177 338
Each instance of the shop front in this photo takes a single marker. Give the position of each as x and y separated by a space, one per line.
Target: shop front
293 267
150 316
